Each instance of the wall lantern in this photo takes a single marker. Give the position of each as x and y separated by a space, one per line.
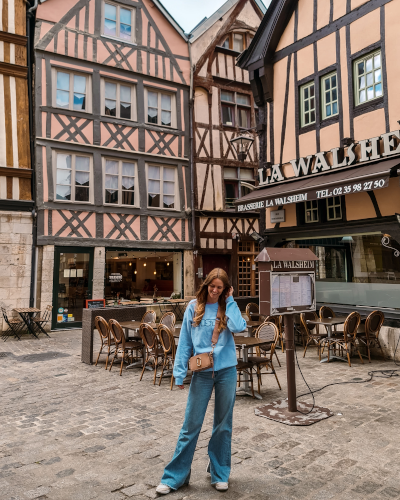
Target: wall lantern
242 145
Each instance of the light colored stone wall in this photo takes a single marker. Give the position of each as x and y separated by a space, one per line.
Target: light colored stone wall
188 273
388 338
99 267
15 260
46 279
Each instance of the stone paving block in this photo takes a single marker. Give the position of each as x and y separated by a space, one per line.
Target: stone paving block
135 489
38 492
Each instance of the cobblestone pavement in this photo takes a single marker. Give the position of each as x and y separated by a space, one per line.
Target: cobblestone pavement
72 431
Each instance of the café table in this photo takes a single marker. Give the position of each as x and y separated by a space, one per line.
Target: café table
328 323
247 343
26 314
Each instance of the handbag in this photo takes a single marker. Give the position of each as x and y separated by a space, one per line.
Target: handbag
205 360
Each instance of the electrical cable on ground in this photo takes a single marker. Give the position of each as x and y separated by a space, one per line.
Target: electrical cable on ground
372 374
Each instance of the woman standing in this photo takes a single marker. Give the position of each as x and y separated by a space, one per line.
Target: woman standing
213 308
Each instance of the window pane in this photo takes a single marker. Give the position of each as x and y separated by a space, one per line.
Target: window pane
306 118
82 163
168 188
125 93
154 186
62 99
312 103
334 95
110 11
333 81
227 115
166 102
311 90
369 79
169 174
378 76
378 90
230 173
128 169
327 84
152 115
110 90
361 82
244 118
152 99
362 96
125 110
226 96
63 192
110 108
247 173
125 16
370 93
312 116
166 118
328 110
64 177
128 197
369 64
169 201
306 106
334 108
110 27
154 200
154 172
81 194
306 93
225 43
328 97
111 167
80 84
62 80
125 31
360 67
79 101
128 183
82 179
243 99
377 61
111 196
238 43
111 181
63 161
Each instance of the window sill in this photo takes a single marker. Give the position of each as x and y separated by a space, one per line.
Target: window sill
173 129
124 121
307 128
120 40
118 205
366 107
164 209
86 112
329 121
74 202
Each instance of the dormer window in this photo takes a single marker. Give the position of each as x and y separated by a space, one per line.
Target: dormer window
236 41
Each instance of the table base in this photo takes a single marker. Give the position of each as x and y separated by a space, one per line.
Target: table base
333 358
241 391
135 364
278 411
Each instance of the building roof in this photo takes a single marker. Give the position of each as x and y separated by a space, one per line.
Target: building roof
206 23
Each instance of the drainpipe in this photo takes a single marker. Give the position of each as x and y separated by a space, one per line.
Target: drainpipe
30 29
191 117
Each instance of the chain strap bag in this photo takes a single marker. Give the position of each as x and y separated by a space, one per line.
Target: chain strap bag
205 360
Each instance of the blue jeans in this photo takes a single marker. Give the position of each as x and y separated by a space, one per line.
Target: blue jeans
177 472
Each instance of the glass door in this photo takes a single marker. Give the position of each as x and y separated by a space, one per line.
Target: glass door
72 285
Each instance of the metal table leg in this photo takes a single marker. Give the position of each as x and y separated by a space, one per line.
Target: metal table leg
26 318
332 357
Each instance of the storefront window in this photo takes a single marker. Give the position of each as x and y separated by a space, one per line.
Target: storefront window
355 270
133 274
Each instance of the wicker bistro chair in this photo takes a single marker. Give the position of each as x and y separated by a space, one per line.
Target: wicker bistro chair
313 336
369 334
121 346
168 345
262 350
252 307
149 317
14 326
269 332
245 367
168 319
154 351
105 337
349 338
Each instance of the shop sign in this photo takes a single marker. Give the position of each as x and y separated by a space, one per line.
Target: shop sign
314 164
115 277
277 216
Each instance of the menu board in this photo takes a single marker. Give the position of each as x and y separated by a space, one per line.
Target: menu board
291 291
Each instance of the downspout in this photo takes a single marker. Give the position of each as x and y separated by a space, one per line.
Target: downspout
30 20
191 105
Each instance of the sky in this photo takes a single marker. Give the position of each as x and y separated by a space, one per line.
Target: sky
188 13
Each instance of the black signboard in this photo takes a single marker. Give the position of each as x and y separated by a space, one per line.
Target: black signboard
95 303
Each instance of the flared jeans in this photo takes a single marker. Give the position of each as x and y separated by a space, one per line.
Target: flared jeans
177 472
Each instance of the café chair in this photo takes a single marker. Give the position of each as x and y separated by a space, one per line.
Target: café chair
154 351
326 312
247 368
252 308
312 334
149 317
168 319
14 326
269 319
168 345
105 337
368 334
122 347
349 338
270 333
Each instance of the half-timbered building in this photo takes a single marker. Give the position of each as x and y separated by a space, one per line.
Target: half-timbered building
16 204
112 150
223 108
324 75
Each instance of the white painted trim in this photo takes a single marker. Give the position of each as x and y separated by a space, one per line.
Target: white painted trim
136 182
3 158
12 53
1 51
73 173
3 187
15 188
177 202
14 128
11 16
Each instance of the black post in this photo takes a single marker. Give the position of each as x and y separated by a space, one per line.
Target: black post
290 364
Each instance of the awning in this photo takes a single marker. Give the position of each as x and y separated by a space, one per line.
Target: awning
364 178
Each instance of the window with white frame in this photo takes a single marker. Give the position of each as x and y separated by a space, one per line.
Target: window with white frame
161 108
237 182
311 209
368 77
235 109
161 187
307 104
73 177
329 91
72 90
119 21
119 182
334 208
119 100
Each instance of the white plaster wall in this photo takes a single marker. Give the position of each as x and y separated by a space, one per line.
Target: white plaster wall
15 260
99 266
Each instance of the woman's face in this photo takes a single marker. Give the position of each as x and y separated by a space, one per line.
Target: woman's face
215 288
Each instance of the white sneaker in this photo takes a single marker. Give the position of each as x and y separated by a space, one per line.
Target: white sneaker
221 486
163 489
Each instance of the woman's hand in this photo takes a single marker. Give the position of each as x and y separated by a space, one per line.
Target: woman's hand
229 292
181 386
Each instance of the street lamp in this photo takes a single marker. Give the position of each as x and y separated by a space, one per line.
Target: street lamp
242 145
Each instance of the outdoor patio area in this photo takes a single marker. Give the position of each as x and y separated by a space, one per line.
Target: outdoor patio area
75 431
